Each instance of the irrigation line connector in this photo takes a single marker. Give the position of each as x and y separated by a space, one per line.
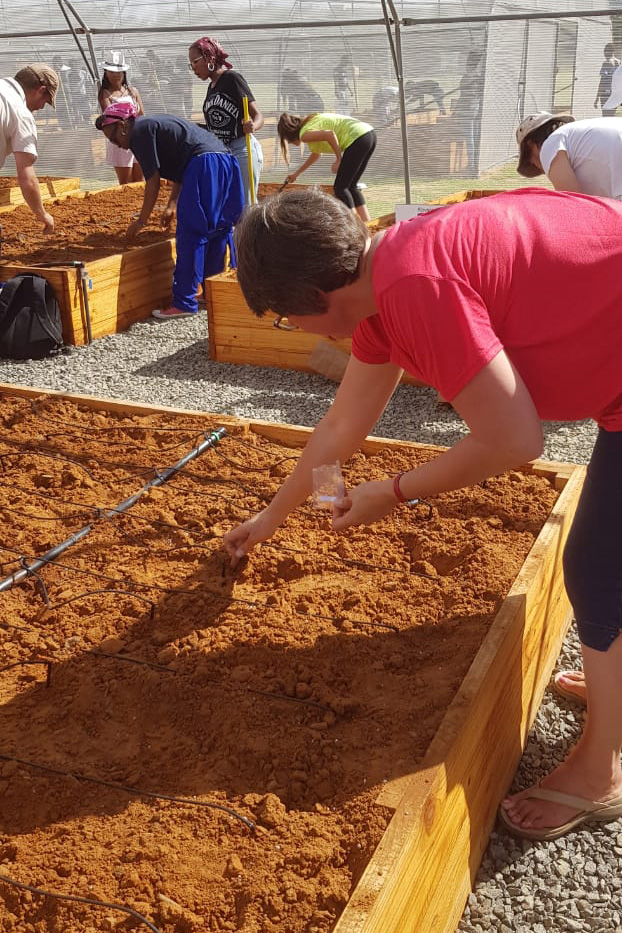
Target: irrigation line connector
212 438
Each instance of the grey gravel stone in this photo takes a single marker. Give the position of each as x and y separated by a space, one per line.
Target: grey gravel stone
520 886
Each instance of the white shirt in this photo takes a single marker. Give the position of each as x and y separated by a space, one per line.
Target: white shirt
18 130
594 150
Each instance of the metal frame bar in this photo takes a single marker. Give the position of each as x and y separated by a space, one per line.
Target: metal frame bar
317 24
92 66
388 7
390 20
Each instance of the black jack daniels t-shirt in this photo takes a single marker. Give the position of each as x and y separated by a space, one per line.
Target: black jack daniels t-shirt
223 108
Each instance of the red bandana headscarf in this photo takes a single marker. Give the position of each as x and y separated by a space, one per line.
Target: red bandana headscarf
213 51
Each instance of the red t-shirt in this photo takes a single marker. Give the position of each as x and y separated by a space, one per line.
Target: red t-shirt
536 273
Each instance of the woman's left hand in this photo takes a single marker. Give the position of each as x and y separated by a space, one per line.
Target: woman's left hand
335 166
247 126
365 504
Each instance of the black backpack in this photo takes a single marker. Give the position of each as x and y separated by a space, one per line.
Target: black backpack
30 321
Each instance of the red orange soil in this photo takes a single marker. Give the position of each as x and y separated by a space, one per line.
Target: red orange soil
289 690
9 181
86 227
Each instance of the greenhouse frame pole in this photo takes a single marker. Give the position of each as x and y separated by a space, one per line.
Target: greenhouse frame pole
92 66
398 64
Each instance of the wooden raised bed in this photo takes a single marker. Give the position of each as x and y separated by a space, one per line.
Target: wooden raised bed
122 285
50 187
238 336
442 810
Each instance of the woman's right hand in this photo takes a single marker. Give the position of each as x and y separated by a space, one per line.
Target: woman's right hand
243 538
291 178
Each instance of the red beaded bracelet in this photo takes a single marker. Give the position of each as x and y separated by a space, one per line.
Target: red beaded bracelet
396 488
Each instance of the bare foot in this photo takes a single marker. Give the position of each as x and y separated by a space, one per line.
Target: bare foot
572 683
572 777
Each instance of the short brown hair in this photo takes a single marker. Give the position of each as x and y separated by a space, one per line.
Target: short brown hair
293 248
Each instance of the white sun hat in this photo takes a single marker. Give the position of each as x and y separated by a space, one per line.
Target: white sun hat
115 62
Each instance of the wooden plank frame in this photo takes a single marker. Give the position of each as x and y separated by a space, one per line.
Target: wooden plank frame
237 336
421 873
49 187
122 289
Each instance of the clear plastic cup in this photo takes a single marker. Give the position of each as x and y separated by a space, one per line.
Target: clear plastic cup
328 485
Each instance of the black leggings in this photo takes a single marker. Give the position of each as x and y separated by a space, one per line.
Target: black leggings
353 163
593 554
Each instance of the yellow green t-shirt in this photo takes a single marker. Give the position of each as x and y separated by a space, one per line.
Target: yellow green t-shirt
346 129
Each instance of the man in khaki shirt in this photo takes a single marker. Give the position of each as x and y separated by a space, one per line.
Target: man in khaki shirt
31 89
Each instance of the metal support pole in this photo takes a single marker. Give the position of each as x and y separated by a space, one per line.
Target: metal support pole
92 65
398 63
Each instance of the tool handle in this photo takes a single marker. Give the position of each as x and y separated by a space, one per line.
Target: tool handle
249 152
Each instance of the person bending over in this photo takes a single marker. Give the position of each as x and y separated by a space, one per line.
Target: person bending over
31 89
582 155
513 322
350 141
206 195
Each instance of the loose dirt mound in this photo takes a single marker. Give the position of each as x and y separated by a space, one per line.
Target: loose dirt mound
86 227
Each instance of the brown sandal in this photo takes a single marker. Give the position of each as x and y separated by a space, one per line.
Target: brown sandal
602 811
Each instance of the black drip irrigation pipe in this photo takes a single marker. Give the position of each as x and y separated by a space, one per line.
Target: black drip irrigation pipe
74 898
213 438
136 791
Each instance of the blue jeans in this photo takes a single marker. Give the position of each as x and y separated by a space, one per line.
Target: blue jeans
593 553
210 202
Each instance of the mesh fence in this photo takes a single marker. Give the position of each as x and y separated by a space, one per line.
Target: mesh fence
467 84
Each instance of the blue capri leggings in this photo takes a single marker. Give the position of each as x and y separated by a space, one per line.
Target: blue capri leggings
593 554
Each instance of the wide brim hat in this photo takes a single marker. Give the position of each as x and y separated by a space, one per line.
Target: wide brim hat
115 62
533 122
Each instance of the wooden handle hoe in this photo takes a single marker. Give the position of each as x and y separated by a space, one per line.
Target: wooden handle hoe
249 152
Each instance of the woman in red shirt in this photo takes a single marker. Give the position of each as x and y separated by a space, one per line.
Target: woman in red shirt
510 307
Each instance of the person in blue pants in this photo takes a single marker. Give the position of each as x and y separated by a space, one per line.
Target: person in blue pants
207 194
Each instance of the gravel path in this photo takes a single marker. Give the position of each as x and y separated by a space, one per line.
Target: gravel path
573 884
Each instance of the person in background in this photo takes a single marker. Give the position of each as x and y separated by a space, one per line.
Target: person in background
417 91
31 89
206 193
223 107
468 108
350 141
297 94
607 69
77 80
63 101
582 155
181 87
344 93
116 89
385 104
513 322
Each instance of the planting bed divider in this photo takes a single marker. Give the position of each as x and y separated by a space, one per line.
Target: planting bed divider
122 284
361 699
50 187
237 336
